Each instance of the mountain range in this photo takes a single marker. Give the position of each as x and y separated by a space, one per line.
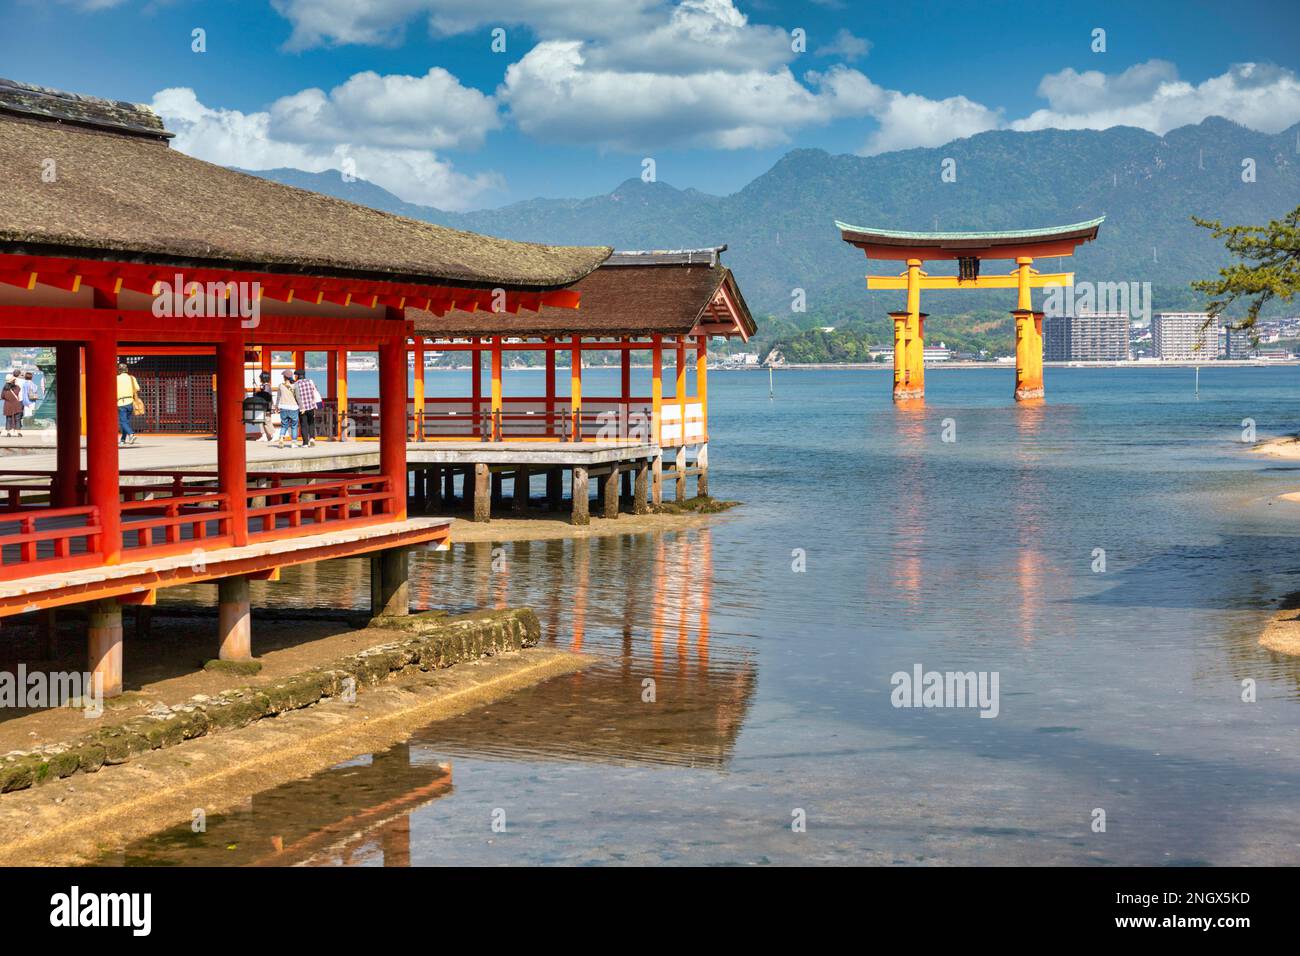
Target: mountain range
780 229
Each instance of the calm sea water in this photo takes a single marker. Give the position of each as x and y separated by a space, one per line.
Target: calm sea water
1120 691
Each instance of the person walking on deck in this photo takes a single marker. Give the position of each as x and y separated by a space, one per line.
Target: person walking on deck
128 404
286 404
266 396
13 407
308 401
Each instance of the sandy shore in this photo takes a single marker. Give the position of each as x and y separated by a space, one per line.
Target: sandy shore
1288 446
80 818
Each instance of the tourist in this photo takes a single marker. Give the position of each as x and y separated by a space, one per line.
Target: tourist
265 396
286 404
308 401
128 403
31 393
13 407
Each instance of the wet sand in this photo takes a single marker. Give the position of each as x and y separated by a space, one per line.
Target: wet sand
1288 446
80 818
557 527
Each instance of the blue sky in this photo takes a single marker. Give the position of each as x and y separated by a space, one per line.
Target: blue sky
411 95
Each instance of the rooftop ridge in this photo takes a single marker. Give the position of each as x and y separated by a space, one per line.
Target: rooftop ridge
659 257
116 116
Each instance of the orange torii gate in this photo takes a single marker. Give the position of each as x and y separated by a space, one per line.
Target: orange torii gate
968 248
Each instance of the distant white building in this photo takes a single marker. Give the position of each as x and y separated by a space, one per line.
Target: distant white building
1086 337
1184 337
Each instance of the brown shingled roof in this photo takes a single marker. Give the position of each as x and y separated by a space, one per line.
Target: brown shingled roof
120 193
665 298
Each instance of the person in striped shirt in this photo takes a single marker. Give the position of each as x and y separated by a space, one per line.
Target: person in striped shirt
308 401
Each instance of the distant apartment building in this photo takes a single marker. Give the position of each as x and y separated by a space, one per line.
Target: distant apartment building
1086 337
1184 337
1236 344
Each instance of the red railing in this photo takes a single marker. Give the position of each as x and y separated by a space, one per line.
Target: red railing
47 541
321 503
158 526
181 511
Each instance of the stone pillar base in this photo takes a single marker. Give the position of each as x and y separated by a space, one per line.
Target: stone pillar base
908 394
1028 394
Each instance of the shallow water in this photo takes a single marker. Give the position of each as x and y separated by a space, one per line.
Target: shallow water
1120 690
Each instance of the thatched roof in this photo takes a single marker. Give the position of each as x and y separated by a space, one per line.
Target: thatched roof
119 192
633 293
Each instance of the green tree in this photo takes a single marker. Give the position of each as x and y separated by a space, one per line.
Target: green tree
1270 268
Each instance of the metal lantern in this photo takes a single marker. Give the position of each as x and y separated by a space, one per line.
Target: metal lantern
255 410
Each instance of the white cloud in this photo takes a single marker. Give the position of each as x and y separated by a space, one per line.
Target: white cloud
1150 96
384 22
418 112
845 45
554 95
234 138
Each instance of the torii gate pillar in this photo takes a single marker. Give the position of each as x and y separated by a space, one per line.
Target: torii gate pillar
1029 338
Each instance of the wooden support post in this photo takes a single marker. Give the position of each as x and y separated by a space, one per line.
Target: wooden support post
656 388
234 620
555 488
611 491
390 588
641 488
104 639
482 492
657 480
392 420
300 361
550 390
232 444
575 387
496 429
702 383
625 389
102 479
702 470
476 387
1029 337
345 429
521 490
47 627
433 490
581 495
67 385
679 474
417 383
680 394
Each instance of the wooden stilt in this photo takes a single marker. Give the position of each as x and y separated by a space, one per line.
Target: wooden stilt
641 490
657 480
482 493
390 588
581 505
702 471
679 474
104 638
234 620
611 491
521 490
555 488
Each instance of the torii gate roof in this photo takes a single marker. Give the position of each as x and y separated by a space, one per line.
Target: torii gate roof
1009 244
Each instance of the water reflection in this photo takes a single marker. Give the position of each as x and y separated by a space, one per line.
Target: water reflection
356 813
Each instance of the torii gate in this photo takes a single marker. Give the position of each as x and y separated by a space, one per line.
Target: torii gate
968 248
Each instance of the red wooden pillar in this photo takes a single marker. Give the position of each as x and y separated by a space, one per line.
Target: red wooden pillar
476 386
550 388
67 384
232 464
102 479
331 372
392 420
625 389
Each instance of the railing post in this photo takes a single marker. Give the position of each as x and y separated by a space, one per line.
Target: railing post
232 452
